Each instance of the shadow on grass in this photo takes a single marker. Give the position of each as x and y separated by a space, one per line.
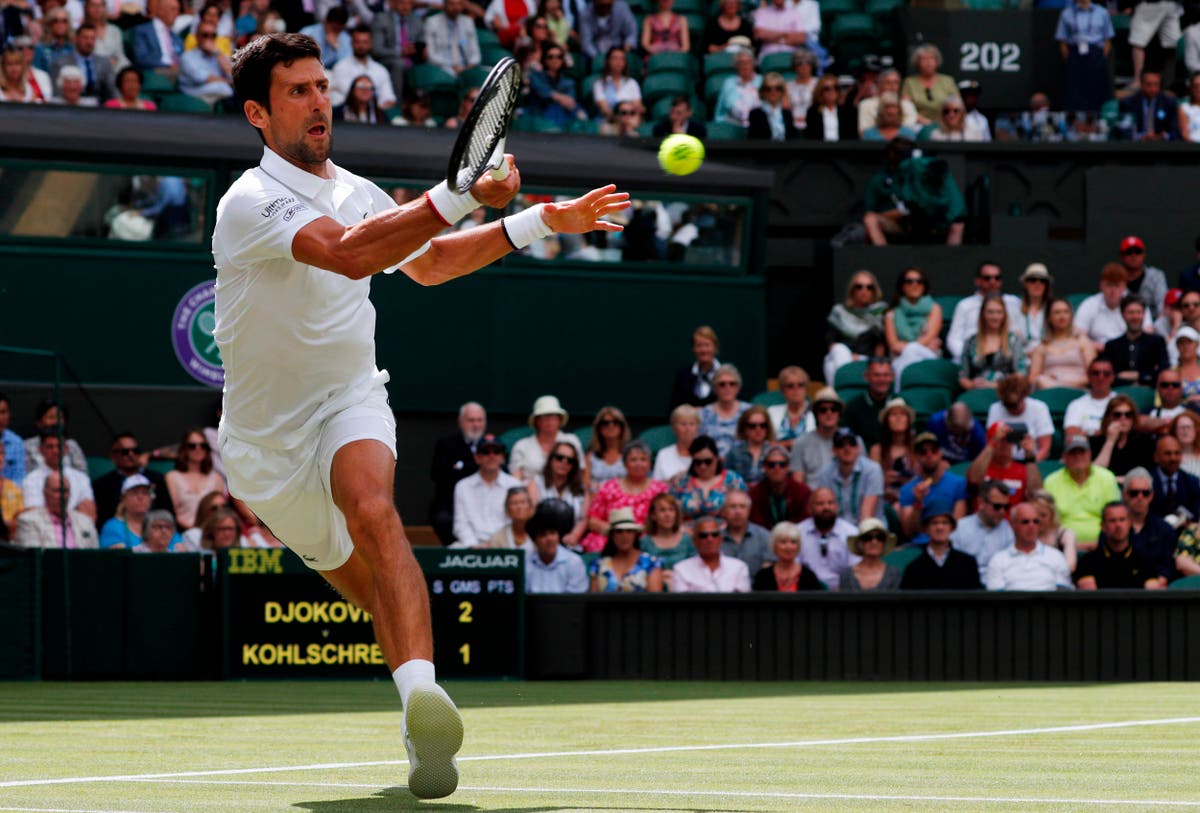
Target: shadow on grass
147 701
395 799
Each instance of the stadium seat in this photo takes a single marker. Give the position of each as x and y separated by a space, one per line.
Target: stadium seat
986 5
586 97
1057 398
718 64
510 437
665 85
587 126
780 62
1110 112
712 88
852 36
1076 299
960 468
491 53
726 131
882 10
689 7
978 402
183 103
925 401
486 36
850 375
948 303
672 62
473 77
584 433
658 437
430 78
696 23
1049 466
901 557
832 9
1143 397
769 398
941 373
1186 583
98 467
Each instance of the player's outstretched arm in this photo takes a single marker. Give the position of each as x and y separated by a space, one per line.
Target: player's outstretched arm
456 255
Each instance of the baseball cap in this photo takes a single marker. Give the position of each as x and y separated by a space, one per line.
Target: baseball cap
969 86
1132 241
1187 332
925 437
134 481
842 435
1076 443
1036 271
489 443
1173 296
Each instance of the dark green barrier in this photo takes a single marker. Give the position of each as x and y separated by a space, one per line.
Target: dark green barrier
21 632
283 620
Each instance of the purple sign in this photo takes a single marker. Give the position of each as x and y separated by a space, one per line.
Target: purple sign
192 335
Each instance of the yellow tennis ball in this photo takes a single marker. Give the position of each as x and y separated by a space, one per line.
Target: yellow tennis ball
681 154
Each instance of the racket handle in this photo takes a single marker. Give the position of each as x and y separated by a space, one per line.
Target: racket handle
499 164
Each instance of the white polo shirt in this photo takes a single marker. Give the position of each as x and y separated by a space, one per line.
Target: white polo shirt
693 576
1043 568
1087 413
1102 323
297 342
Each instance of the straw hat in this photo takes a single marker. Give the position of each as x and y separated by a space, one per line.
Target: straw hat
872 525
547 405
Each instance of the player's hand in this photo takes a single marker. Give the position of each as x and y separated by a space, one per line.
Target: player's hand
584 214
497 194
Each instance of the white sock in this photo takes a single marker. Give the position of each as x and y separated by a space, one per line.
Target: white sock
411 673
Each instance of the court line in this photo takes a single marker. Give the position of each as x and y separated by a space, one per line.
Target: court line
868 797
66 810
665 749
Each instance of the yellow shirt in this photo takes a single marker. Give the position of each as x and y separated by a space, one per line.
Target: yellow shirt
1079 506
223 44
12 500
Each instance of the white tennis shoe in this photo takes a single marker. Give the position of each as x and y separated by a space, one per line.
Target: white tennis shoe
433 733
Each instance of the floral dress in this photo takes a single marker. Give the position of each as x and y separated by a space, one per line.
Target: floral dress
693 499
632 582
610 497
721 430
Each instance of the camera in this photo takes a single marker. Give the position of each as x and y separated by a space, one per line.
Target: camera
1017 432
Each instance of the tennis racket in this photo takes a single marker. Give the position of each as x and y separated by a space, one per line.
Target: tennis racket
480 143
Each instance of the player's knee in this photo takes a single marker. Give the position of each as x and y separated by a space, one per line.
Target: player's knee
371 514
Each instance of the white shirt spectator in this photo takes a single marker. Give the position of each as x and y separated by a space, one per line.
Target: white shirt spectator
527 454
479 507
350 68
803 16
1086 413
1036 418
566 574
1043 568
692 575
965 322
827 554
973 537
669 462
451 44
1102 323
35 482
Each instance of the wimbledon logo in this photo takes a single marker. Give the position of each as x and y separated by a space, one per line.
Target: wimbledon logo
192 335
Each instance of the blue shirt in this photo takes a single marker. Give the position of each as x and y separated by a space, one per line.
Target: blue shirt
116 532
953 449
329 55
14 457
566 574
944 493
1091 25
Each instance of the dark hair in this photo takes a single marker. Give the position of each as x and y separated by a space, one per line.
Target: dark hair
610 547
84 27
898 294
361 28
128 69
1131 299
48 432
979 268
253 63
4 399
608 56
352 104
700 444
531 23
338 14
1108 505
125 434
994 485
181 458
678 100
47 404
574 477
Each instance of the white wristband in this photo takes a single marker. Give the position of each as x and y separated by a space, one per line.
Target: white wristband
450 207
525 226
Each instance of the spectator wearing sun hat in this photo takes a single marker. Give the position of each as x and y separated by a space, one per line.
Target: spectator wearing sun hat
547 419
1147 281
814 449
871 544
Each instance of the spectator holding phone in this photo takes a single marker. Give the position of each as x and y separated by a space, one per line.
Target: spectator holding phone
996 462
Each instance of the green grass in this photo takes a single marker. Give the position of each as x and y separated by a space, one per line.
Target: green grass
554 744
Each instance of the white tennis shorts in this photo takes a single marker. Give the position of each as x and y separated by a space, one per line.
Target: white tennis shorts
1160 18
289 489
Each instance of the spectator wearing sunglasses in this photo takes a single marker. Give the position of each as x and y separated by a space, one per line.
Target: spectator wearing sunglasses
778 497
772 119
1084 414
720 419
702 488
1152 538
933 484
48 415
952 124
754 434
814 449
855 479
562 479
1028 564
605 452
986 532
710 571
828 119
480 498
855 325
1115 565
794 416
128 458
1170 404
192 477
925 87
871 573
989 279
824 539
1145 281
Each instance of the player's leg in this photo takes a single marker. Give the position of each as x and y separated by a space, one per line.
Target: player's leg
383 573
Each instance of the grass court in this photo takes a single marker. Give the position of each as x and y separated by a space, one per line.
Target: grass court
334 747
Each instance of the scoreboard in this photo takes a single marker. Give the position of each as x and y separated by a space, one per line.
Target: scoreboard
282 620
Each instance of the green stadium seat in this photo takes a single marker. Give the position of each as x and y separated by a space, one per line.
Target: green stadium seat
430 78
98 467
902 557
1057 398
948 303
665 86
487 36
510 437
712 88
986 5
769 398
1076 299
726 131
584 433
491 53
850 375
154 83
183 103
925 401
853 36
832 9
160 466
978 402
1143 397
780 62
587 126
1048 467
672 62
941 373
689 7
882 9
1110 112
961 468
1186 583
473 77
658 437
718 64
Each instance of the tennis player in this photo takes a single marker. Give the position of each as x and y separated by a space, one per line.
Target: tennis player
307 436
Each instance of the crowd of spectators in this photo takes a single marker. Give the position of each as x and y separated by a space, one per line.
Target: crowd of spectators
604 66
48 499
